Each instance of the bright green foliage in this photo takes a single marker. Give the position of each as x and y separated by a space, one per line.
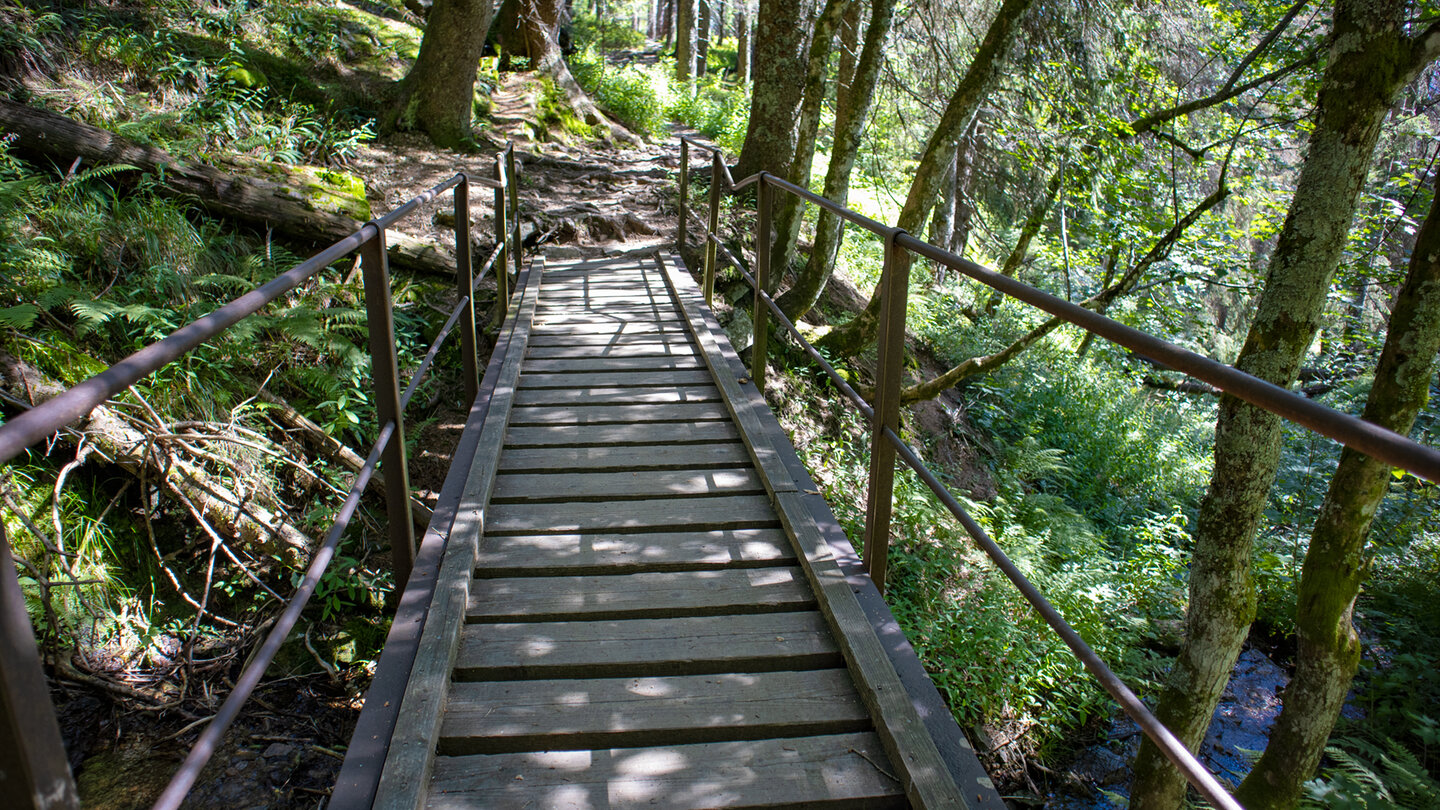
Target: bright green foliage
646 99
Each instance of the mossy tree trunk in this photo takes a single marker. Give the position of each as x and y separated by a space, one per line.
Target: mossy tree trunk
1370 60
1328 650
781 32
980 78
539 22
849 126
437 95
685 40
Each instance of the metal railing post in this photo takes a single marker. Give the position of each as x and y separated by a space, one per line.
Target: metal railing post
890 367
386 374
684 195
713 232
502 240
512 176
760 312
464 288
34 771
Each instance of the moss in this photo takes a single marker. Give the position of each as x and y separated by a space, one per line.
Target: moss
555 118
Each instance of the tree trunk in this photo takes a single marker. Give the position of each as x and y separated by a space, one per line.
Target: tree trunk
942 221
437 96
790 211
540 22
742 42
702 39
849 55
780 37
1370 60
290 211
980 78
685 40
802 295
1328 650
962 199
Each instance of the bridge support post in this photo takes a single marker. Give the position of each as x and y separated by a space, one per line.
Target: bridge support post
465 288
760 313
386 373
684 196
512 185
34 771
890 368
502 240
716 170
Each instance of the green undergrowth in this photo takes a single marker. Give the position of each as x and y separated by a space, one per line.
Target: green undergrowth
646 99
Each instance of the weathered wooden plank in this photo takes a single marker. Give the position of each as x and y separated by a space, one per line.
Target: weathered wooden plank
623 457
639 596
570 554
725 512
675 646
633 435
608 327
613 379
499 717
590 364
839 772
582 486
618 396
613 350
618 414
677 338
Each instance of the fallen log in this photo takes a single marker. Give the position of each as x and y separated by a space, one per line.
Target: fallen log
301 205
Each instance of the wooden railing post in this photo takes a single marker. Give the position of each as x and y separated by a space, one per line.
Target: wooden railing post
512 175
684 195
760 312
502 240
34 771
386 374
716 169
890 367
465 288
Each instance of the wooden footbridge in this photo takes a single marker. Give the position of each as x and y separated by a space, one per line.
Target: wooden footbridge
636 605
630 593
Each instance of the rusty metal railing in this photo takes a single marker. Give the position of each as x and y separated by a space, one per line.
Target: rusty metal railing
885 442
28 732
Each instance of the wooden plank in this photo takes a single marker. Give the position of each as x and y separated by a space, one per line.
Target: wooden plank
639 596
563 364
678 338
405 774
674 646
725 512
618 396
840 772
499 717
608 327
624 457
613 350
674 433
619 414
613 379
569 554
582 486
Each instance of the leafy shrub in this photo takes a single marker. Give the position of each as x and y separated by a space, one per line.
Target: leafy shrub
604 33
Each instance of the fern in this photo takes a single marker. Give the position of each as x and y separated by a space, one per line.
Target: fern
21 316
1373 776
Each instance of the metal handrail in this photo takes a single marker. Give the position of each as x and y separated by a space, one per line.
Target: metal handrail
1385 445
43 420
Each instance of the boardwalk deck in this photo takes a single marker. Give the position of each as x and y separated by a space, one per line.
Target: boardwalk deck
632 608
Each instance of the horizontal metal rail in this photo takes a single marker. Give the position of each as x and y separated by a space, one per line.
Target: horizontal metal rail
35 424
1385 445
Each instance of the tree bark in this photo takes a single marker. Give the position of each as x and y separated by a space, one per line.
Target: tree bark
1328 649
742 42
980 78
779 47
849 56
685 40
1370 60
942 221
290 211
790 212
540 23
437 96
702 39
811 281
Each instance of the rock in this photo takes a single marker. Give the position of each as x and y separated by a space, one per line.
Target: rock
740 329
279 749
1101 766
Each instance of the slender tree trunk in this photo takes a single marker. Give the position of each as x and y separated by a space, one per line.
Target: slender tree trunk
1328 650
942 221
437 96
685 40
780 38
702 40
1370 60
849 55
802 295
980 78
742 42
964 208
790 212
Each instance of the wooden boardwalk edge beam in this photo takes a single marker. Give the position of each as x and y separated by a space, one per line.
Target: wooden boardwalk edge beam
909 714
